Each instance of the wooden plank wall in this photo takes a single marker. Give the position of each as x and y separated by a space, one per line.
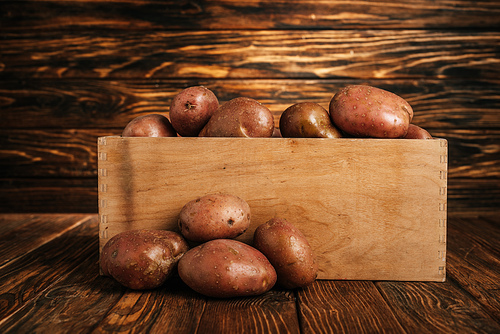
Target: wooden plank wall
71 71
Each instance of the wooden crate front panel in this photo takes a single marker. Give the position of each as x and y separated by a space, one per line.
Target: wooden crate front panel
371 209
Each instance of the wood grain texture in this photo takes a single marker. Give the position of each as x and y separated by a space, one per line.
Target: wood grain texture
474 251
36 229
363 232
364 54
93 104
27 277
345 307
36 195
251 14
273 312
428 307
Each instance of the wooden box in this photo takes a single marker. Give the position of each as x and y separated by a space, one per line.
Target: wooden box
372 209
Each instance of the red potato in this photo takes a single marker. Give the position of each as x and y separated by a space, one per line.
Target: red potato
288 251
240 117
151 125
365 111
416 132
142 259
307 120
191 109
226 268
214 216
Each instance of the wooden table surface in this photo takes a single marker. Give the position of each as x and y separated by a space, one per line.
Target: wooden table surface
49 283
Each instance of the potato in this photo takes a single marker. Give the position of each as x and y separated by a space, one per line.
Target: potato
142 259
191 109
151 125
416 132
365 111
214 216
288 251
226 268
307 120
240 117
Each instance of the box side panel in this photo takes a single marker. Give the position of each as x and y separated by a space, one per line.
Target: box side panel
371 209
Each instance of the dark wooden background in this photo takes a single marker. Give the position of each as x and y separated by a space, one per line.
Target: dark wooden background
71 71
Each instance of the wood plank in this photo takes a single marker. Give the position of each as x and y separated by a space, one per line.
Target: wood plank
345 307
75 303
73 152
472 153
366 54
473 196
168 309
39 229
473 260
429 307
364 232
272 312
441 104
62 195
28 277
251 14
50 153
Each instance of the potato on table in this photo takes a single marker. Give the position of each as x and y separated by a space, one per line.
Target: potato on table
142 259
214 216
225 268
288 251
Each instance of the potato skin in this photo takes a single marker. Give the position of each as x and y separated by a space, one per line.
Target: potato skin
240 117
142 259
288 251
191 109
151 125
307 120
365 111
416 132
214 216
226 268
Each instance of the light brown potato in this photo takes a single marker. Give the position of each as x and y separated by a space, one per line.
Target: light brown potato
214 216
416 132
365 111
240 117
226 268
191 109
288 251
307 120
142 259
151 125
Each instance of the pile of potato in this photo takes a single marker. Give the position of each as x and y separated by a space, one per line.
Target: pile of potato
355 111
206 255
218 265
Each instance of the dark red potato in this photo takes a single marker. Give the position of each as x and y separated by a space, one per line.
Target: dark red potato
416 132
240 117
365 111
191 109
142 259
226 268
152 125
288 251
214 216
307 120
